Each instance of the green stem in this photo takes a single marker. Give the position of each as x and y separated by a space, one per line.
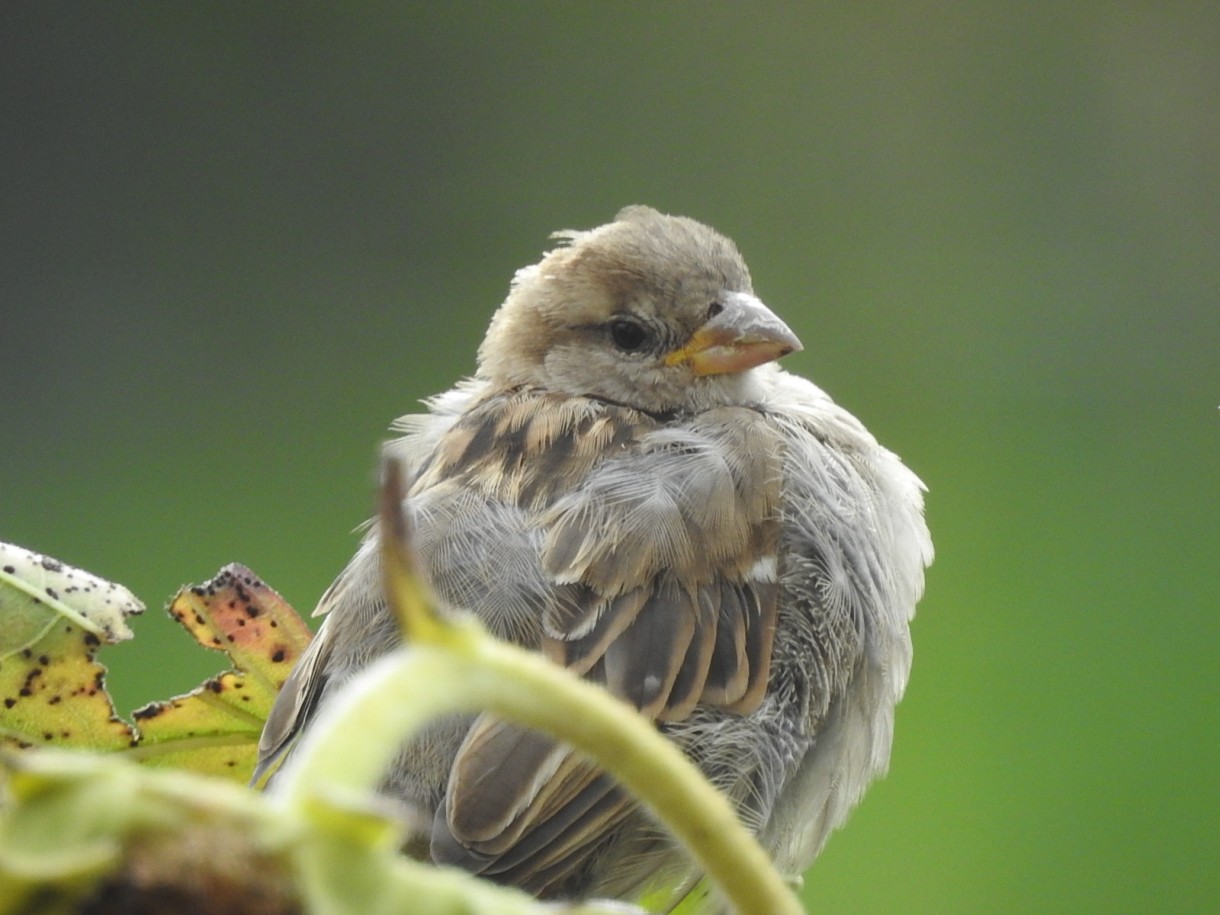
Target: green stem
357 736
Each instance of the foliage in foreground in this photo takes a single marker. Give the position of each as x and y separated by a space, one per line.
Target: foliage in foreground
157 816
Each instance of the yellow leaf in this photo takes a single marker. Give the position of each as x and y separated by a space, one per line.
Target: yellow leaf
215 728
53 618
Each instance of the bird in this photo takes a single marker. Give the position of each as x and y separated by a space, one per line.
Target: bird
631 485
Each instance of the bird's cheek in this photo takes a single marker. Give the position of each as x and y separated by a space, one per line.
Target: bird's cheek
570 370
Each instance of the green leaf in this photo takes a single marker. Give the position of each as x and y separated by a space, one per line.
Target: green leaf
53 618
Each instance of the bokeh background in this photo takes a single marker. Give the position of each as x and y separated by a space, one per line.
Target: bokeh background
236 240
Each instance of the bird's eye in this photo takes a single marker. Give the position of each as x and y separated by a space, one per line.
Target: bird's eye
714 309
627 335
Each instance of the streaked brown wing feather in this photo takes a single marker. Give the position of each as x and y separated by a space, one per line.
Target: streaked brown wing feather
521 808
688 686
556 851
581 646
760 622
643 662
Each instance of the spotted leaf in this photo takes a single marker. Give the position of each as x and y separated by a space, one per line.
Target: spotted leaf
53 619
215 728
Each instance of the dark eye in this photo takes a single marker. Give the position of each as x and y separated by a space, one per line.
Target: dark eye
714 309
627 335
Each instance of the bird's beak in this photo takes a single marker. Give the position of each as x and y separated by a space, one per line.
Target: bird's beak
743 335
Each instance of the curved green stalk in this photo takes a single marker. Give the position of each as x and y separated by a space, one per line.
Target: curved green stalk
349 749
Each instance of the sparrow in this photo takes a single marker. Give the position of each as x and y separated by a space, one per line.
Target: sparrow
630 485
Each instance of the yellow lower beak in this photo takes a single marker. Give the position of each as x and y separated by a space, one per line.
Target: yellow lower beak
743 335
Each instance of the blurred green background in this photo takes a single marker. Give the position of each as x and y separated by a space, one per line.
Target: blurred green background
237 240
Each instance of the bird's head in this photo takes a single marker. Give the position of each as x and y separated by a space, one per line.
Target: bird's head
651 311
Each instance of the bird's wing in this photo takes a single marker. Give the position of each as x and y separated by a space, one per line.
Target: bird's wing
669 557
356 629
659 545
353 604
